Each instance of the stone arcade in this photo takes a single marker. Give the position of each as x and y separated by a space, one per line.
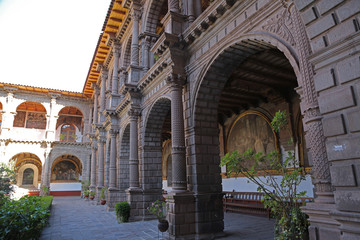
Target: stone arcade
174 85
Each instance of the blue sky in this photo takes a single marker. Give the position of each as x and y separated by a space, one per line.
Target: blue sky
48 43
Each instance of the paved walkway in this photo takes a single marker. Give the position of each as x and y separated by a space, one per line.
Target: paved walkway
77 219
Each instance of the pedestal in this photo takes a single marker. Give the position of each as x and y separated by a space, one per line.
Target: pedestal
322 226
113 197
350 224
181 215
135 199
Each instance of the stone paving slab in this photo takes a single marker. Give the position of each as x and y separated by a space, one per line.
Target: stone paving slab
73 218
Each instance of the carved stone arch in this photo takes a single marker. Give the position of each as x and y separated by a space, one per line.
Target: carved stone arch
30 114
76 161
151 15
65 154
27 159
265 40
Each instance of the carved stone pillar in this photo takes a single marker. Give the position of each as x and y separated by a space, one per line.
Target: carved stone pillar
173 6
115 78
147 44
93 165
133 158
100 167
104 76
112 166
176 83
95 111
135 15
45 182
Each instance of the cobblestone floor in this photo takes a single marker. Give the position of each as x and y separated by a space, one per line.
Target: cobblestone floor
77 219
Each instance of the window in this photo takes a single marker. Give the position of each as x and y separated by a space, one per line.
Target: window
28 177
68 133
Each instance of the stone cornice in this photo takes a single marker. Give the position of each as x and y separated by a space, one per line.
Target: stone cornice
207 18
123 104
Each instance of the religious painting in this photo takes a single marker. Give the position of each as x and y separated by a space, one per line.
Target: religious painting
64 171
19 120
251 130
36 120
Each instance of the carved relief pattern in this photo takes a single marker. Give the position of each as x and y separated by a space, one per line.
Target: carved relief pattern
281 26
321 169
174 5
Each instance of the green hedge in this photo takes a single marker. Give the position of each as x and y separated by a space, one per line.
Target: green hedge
25 218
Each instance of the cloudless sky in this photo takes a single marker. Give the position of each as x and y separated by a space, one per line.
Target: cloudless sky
48 43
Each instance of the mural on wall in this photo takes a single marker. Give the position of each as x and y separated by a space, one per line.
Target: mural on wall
65 171
251 130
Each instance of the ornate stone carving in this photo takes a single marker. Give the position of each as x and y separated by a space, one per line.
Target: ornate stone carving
281 25
173 6
176 80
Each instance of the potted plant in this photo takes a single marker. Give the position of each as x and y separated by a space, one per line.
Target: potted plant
92 195
122 210
102 196
158 209
86 194
85 187
280 196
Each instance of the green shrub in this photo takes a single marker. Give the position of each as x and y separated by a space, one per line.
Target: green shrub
122 210
25 218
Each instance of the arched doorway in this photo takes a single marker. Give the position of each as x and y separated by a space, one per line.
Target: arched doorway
249 81
28 170
65 176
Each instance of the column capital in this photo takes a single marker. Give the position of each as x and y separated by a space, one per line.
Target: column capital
135 13
134 113
176 80
113 132
116 48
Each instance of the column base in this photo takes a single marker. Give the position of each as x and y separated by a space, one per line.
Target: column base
181 215
322 225
113 197
350 224
134 197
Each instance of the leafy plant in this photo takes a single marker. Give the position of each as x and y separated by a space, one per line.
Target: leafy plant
102 193
7 178
158 209
92 194
25 218
86 193
45 190
85 184
280 196
122 210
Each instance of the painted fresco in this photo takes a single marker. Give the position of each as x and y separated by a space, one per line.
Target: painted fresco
64 171
251 131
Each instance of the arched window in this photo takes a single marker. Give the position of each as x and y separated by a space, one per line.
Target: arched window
68 133
28 177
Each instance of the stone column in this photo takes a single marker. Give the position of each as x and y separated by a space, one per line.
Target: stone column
147 40
104 76
112 165
101 156
179 184
95 112
135 15
133 158
191 13
197 7
173 6
45 182
93 165
115 78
